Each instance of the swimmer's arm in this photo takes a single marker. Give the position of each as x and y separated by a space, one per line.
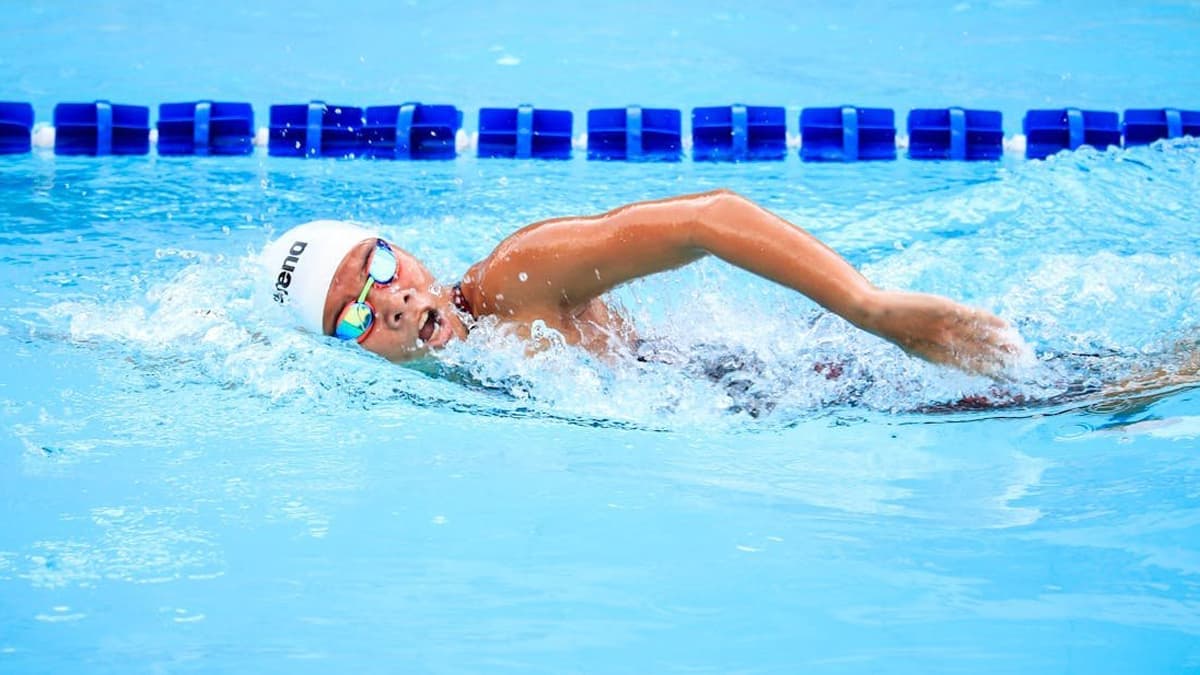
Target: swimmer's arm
570 261
931 327
567 262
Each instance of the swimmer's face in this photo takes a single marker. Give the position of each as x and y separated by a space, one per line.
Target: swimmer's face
412 315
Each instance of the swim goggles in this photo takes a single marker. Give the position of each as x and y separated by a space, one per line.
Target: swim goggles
358 317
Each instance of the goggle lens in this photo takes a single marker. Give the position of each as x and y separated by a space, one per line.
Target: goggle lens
383 265
355 321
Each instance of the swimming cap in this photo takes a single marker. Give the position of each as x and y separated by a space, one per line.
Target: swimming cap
300 264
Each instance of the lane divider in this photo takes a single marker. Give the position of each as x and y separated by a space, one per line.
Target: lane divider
735 132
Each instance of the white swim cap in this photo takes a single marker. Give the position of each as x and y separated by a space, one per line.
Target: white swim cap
300 264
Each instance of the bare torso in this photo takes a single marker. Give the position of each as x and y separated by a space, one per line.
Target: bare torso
594 325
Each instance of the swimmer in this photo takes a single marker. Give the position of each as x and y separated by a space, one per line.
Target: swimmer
343 280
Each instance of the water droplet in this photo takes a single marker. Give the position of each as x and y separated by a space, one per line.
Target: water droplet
523 277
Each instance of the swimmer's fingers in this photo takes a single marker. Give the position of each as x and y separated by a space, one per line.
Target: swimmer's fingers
989 346
945 332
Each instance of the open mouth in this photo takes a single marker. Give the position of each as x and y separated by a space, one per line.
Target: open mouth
430 325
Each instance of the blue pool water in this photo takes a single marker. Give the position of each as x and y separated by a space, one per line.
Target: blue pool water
188 486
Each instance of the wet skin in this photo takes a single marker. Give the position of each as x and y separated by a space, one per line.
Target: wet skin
414 300
410 302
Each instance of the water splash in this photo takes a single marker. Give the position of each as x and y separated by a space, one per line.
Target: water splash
1091 255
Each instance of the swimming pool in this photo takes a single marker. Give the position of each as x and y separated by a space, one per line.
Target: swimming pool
187 486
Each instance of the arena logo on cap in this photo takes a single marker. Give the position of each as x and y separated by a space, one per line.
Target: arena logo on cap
285 271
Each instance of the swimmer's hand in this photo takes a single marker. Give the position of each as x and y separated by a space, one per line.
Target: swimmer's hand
942 331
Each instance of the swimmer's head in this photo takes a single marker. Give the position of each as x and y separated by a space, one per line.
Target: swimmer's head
318 268
300 264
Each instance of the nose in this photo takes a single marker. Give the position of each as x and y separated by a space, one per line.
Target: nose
396 307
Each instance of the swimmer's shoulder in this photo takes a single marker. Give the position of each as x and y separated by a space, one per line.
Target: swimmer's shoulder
470 286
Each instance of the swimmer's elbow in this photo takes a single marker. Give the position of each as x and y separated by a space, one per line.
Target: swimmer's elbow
714 215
